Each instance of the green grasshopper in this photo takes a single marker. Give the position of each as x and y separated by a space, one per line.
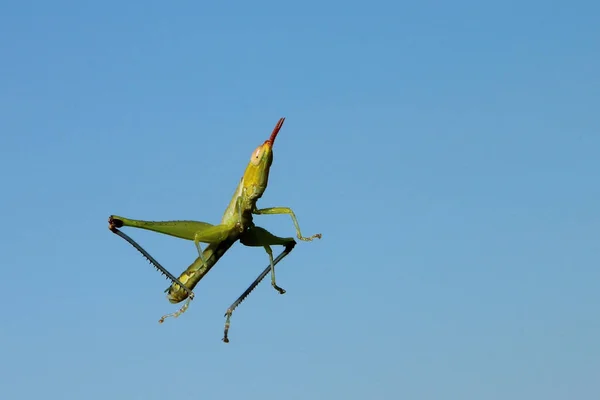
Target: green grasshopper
236 224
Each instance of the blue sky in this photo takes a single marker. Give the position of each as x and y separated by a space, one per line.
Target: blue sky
448 153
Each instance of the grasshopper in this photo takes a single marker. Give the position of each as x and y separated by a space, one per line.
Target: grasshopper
236 224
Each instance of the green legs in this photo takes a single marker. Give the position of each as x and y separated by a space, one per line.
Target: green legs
199 232
288 248
257 236
222 236
179 229
287 210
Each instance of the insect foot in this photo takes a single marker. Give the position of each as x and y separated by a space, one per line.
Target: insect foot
309 239
227 324
280 290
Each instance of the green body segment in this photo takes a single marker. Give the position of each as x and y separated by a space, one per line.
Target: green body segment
196 271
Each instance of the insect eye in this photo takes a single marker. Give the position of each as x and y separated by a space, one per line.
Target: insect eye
255 159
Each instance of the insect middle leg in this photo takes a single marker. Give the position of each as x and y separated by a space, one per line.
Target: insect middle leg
257 236
288 248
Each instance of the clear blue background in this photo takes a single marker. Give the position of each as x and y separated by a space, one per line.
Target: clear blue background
448 152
